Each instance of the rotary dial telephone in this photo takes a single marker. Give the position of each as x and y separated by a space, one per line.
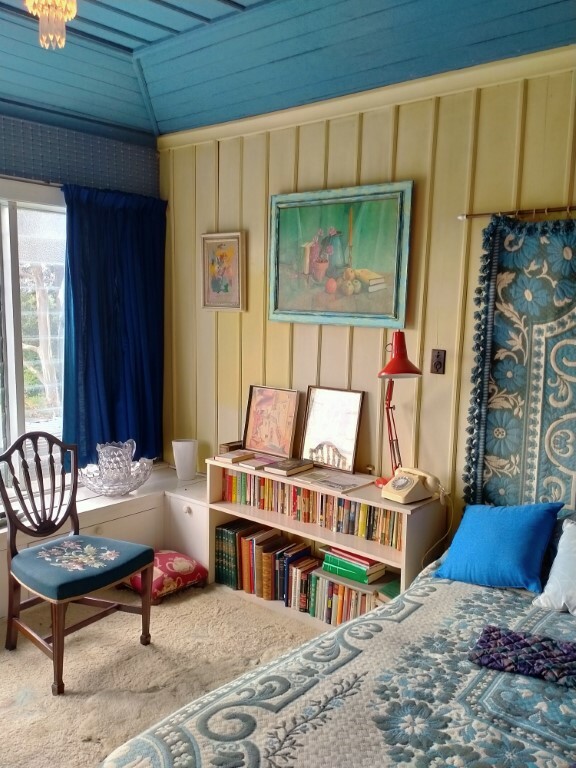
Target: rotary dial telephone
410 485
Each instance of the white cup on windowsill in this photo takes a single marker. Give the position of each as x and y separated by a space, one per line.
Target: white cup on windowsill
185 458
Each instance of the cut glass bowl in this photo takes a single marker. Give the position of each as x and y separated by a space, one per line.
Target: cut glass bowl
109 485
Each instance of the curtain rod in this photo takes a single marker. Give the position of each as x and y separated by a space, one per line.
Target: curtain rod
516 212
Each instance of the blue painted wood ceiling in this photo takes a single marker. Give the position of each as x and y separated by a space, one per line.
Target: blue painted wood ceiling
136 69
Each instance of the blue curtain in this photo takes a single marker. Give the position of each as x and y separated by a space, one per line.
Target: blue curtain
114 311
522 420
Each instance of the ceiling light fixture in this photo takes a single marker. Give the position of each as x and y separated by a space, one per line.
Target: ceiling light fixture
53 15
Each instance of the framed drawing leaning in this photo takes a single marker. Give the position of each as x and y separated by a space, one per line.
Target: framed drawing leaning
271 421
340 256
331 427
223 271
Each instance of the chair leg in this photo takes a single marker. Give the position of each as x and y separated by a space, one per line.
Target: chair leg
14 591
146 580
58 623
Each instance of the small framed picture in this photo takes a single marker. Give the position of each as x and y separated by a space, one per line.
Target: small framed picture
271 421
223 271
331 427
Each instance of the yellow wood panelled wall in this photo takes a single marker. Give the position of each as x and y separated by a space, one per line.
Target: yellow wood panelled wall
490 138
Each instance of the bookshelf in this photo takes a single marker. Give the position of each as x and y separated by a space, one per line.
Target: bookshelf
419 526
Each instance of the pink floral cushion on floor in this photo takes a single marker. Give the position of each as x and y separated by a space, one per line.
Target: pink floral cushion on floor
173 571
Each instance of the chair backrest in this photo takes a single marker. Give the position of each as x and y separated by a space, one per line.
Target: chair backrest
38 495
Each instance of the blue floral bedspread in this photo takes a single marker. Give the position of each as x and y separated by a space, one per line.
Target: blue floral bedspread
392 688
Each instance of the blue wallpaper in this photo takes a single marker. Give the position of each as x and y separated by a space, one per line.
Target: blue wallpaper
41 152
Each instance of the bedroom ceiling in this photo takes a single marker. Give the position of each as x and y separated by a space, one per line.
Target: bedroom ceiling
136 69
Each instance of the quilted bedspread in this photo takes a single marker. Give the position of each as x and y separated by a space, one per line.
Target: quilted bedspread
392 688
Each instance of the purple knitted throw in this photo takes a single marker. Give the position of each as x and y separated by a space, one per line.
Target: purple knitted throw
507 651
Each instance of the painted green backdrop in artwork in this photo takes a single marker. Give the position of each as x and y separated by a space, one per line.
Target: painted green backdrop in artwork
362 235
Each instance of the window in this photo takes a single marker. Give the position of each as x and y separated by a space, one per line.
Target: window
33 242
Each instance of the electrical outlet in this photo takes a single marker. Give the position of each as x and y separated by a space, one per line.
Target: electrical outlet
438 363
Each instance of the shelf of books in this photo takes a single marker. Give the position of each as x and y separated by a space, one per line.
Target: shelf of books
357 521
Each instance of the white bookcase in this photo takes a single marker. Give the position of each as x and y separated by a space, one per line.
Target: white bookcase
422 524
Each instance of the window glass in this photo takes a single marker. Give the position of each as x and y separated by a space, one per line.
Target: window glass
41 249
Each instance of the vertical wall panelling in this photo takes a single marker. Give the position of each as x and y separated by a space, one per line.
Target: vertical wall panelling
377 148
281 179
254 223
311 176
547 140
342 171
497 147
184 278
415 146
490 138
446 280
206 184
229 396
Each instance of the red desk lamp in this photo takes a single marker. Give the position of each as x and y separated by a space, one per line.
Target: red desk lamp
398 367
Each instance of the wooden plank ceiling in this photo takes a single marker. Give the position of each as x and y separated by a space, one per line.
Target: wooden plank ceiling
136 69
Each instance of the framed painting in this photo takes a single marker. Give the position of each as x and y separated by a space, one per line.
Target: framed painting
340 256
223 271
271 421
331 425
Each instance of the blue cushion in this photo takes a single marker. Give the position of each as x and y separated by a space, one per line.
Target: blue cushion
501 546
71 566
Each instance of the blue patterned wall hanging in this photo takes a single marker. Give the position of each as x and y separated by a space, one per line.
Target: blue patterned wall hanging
522 422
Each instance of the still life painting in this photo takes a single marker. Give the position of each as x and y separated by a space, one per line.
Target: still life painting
341 256
223 271
271 420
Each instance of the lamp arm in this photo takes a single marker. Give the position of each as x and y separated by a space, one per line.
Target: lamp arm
395 457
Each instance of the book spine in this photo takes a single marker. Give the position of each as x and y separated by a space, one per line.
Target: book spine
329 598
340 612
312 597
245 549
267 579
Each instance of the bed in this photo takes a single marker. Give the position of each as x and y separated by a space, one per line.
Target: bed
395 687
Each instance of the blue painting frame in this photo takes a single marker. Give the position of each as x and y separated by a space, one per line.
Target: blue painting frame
340 256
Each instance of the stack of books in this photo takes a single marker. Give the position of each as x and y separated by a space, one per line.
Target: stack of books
355 567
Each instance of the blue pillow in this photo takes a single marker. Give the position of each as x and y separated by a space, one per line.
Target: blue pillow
501 546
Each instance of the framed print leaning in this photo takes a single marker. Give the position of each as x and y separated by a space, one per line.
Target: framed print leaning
331 426
340 256
223 271
271 421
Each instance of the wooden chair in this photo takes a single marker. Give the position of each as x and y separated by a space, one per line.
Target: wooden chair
39 498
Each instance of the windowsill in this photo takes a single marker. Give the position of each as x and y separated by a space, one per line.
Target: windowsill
162 480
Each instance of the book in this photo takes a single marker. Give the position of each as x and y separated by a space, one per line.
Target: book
336 555
247 557
257 461
270 554
337 481
295 552
260 548
369 277
289 466
233 445
389 589
233 457
354 575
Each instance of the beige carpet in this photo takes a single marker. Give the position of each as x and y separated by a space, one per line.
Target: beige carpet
116 687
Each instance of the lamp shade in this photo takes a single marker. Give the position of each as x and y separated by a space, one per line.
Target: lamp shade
399 366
